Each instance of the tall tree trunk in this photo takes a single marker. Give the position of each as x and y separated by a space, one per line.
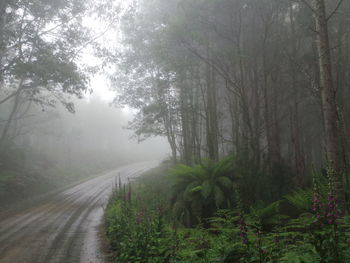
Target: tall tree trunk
273 155
340 86
256 117
166 103
212 121
3 5
299 160
244 100
195 117
334 153
16 103
170 133
185 125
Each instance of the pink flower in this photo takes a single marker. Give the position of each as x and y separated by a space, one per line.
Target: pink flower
243 230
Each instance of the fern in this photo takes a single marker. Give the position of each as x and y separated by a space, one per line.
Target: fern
267 214
299 257
302 198
207 186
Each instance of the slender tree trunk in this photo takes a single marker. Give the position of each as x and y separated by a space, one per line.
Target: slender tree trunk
185 125
11 117
256 117
341 70
171 139
237 127
196 118
299 160
334 153
3 4
212 122
246 119
271 156
214 117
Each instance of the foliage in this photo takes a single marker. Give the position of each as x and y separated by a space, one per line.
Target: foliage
265 215
255 55
257 184
302 199
269 235
200 190
136 228
40 45
138 235
25 173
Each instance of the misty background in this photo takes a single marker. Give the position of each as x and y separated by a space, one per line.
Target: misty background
214 77
55 147
57 120
59 139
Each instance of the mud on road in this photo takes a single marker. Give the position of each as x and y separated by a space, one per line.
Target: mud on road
65 227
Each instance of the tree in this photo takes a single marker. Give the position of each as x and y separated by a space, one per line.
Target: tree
243 76
332 123
40 44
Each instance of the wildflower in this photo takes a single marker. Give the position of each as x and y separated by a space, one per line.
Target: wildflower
243 230
317 206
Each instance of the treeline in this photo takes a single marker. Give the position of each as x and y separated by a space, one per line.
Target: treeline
265 79
43 46
41 49
38 66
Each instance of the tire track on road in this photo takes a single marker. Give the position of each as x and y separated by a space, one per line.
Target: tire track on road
64 228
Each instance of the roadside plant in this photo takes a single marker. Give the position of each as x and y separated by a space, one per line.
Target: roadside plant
325 234
199 191
137 232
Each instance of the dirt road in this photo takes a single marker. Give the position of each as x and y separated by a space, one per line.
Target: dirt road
64 227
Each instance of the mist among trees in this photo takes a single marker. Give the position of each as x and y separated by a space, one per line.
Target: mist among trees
52 130
265 80
252 98
245 99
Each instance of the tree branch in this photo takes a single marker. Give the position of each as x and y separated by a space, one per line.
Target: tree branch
9 97
220 71
335 10
20 118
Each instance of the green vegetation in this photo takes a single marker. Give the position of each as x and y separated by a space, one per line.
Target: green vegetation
26 173
197 192
196 214
138 228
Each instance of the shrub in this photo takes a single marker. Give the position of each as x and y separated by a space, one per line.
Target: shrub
199 191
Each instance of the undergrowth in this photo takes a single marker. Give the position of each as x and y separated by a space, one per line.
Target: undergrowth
142 226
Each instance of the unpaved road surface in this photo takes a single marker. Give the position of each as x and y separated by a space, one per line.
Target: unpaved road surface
63 227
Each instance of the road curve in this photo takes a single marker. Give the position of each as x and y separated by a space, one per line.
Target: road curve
64 227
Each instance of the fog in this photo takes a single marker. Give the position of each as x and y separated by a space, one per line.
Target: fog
51 146
237 109
96 133
213 78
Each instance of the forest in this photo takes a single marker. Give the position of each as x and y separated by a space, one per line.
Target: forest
250 97
265 80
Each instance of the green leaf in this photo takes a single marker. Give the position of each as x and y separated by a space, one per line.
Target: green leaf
207 189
